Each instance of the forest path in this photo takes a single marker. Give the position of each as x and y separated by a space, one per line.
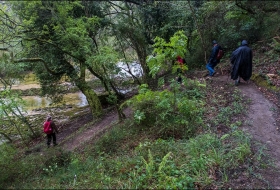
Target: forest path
92 131
261 124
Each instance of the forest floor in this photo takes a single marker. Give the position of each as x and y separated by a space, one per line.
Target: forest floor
261 122
92 131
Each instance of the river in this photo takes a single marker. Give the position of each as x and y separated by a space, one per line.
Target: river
78 99
33 103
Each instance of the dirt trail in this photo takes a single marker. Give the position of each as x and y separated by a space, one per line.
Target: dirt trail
261 123
93 131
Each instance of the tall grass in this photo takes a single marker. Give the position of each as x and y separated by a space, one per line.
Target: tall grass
193 163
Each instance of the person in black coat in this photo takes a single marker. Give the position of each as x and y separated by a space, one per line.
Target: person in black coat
213 61
241 60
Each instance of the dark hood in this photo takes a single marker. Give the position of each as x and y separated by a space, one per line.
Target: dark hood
244 42
241 60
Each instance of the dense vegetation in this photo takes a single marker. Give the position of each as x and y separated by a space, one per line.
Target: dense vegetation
171 140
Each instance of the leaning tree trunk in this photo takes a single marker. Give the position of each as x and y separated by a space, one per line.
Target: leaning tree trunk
92 98
24 120
6 136
147 78
14 124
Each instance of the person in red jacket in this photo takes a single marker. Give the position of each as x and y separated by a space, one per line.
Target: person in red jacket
181 62
52 134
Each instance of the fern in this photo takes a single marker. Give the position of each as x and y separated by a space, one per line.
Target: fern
150 166
163 162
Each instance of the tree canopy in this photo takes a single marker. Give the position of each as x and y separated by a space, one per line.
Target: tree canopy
67 38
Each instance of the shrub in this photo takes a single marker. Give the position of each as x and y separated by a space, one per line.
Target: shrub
7 164
171 114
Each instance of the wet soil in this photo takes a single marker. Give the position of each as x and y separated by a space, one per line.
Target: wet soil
261 123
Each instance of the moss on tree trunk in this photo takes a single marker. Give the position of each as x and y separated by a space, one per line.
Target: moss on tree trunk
92 98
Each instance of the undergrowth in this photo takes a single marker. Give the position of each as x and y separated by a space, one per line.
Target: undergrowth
171 142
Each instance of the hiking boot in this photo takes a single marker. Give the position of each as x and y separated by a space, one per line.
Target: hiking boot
213 74
236 82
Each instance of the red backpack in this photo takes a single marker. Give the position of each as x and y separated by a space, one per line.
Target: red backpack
220 53
47 127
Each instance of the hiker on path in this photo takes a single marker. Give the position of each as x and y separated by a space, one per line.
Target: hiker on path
50 129
181 62
241 60
213 61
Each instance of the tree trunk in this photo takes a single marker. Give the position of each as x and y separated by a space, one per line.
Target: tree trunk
16 126
147 78
23 119
120 113
92 98
6 136
106 83
199 31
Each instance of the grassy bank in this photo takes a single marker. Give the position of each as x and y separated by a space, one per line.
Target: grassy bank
182 137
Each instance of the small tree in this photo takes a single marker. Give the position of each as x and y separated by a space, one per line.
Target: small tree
11 116
165 53
12 119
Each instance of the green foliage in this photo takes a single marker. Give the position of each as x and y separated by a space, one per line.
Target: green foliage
38 165
104 64
125 158
166 52
68 34
10 73
60 37
172 114
7 164
276 45
153 164
12 121
226 113
182 164
159 19
110 142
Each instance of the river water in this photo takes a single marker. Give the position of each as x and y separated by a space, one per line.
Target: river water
32 103
78 99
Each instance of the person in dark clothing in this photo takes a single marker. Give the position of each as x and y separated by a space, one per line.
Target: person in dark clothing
241 60
213 61
51 136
